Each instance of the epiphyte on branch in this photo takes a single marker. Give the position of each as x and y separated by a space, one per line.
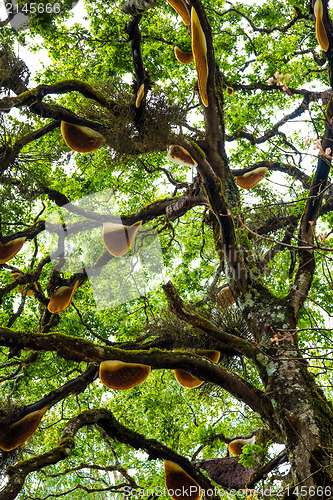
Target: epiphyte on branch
320 28
225 298
18 432
250 179
187 380
121 376
199 49
180 8
80 138
10 249
178 154
178 481
62 298
183 57
236 446
118 238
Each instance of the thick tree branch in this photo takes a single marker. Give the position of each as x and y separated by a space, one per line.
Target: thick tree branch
106 468
75 386
150 212
77 349
176 306
37 94
10 15
275 129
308 95
115 430
306 268
262 472
134 7
18 473
26 278
278 247
8 155
274 224
213 114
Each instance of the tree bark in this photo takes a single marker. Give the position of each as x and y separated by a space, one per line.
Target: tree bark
305 418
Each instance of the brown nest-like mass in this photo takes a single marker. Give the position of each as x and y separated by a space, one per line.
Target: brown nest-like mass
227 472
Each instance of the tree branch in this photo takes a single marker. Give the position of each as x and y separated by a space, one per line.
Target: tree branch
134 7
18 473
262 472
37 94
306 267
150 212
176 306
75 386
275 129
105 419
8 155
283 29
213 114
77 349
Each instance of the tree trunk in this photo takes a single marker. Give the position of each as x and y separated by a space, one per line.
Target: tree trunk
302 412
305 419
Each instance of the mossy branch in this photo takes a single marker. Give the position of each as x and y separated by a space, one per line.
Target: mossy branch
176 305
114 429
147 213
77 349
18 473
38 93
